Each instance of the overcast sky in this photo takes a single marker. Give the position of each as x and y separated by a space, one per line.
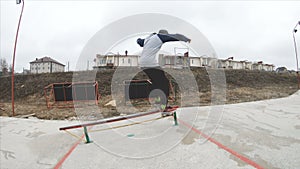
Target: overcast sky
252 30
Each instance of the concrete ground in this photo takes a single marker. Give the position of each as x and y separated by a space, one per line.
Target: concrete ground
263 134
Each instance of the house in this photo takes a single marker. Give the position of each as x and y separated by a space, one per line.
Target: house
268 67
246 65
180 61
174 61
46 65
196 62
111 61
230 64
204 61
257 65
281 70
261 66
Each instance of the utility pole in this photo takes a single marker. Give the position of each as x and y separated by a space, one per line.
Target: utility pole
296 53
50 66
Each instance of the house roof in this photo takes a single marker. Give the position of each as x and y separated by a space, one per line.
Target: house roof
46 60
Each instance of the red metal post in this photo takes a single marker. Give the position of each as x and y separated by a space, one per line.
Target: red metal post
96 93
13 64
65 98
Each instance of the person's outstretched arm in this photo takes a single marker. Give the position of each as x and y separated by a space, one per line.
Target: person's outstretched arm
140 42
173 37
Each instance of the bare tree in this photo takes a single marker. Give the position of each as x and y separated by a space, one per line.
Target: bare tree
3 66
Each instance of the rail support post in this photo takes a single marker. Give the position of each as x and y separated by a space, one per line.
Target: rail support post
87 138
175 119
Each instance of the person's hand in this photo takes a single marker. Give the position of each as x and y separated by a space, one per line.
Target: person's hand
189 41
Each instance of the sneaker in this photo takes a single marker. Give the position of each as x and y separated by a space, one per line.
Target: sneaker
167 108
166 113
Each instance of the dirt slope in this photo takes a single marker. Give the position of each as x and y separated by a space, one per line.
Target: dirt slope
242 85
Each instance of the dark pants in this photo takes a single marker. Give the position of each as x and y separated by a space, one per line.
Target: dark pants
160 84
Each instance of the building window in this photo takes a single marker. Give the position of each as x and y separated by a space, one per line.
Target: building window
102 61
129 61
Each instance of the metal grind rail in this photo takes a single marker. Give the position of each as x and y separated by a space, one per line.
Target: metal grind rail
115 119
110 128
110 120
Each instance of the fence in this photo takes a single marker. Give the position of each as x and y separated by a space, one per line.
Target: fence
65 94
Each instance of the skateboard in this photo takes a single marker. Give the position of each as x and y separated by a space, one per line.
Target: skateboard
169 111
